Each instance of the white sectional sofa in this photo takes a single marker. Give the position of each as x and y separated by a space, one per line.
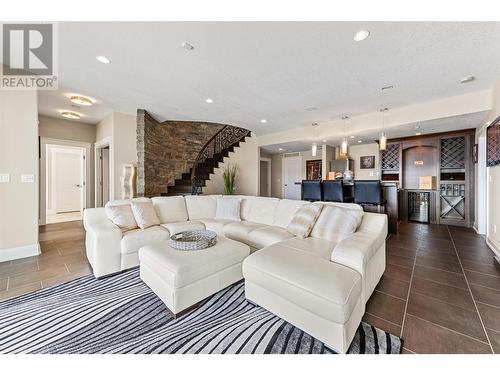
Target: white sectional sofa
318 285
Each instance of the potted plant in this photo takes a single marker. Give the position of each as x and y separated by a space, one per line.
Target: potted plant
229 175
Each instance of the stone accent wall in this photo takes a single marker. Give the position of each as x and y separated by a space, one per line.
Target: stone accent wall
166 150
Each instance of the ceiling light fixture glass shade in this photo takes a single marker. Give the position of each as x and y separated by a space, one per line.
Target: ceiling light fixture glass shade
383 137
343 148
383 142
81 100
314 149
361 35
71 115
103 59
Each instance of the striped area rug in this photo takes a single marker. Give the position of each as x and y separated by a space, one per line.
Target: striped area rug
120 314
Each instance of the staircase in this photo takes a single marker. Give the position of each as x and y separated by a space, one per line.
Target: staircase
209 157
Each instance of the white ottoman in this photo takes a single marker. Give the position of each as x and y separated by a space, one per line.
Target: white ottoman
183 278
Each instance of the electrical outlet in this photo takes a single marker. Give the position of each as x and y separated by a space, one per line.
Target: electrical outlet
4 177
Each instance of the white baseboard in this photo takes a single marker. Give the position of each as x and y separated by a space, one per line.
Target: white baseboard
494 247
19 252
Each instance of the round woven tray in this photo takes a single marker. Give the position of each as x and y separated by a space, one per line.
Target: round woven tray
193 240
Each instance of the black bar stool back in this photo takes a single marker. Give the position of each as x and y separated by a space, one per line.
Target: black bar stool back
333 191
311 190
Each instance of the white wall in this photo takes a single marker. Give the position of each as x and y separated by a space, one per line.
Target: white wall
276 176
119 131
247 157
493 177
56 128
18 155
369 149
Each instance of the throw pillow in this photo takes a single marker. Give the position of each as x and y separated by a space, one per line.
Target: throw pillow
122 216
228 208
304 219
336 223
145 214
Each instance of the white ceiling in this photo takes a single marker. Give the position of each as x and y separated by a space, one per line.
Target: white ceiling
268 70
467 121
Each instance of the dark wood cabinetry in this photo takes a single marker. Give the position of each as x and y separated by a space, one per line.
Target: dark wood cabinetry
445 156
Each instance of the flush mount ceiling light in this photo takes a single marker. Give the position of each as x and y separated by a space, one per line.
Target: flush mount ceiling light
361 35
467 79
209 101
187 46
263 121
71 115
81 100
103 59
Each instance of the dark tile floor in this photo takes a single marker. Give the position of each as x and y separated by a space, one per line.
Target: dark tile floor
440 291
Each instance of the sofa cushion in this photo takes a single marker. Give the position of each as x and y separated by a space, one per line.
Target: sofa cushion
228 208
122 216
285 211
182 226
262 210
327 289
145 214
217 225
201 206
336 223
133 240
304 219
170 209
265 236
239 231
314 246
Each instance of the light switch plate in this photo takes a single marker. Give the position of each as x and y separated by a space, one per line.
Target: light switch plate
27 178
4 177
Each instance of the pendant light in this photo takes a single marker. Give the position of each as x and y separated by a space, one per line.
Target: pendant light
383 137
314 148
343 147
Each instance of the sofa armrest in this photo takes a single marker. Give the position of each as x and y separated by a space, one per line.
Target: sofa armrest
356 250
103 244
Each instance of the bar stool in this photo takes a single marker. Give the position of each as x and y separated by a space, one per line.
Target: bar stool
368 193
311 190
333 191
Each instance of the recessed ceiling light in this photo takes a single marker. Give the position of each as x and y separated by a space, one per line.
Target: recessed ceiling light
208 100
281 149
467 79
359 141
70 114
103 59
81 100
324 140
361 35
263 121
352 137
187 46
418 133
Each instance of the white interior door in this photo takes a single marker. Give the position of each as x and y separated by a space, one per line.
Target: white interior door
292 176
68 181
